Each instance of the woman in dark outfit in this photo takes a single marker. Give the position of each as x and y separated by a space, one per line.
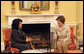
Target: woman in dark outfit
18 37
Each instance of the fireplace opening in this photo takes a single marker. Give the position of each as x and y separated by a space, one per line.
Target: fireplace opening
40 33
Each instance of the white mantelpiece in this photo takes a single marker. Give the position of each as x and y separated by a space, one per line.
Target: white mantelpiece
26 15
37 18
34 18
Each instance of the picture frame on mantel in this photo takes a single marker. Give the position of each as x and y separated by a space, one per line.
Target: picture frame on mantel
26 5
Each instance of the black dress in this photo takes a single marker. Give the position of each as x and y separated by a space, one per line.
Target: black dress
18 40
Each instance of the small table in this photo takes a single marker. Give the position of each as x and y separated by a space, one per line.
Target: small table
31 51
37 51
74 51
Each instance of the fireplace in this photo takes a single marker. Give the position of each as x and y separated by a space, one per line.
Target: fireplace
40 33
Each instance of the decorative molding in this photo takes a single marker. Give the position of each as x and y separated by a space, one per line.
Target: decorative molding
34 18
33 15
5 26
73 24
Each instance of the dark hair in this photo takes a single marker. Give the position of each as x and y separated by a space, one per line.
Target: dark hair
61 18
15 23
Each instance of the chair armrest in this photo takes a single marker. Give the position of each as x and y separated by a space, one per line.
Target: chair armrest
9 42
15 50
32 45
76 37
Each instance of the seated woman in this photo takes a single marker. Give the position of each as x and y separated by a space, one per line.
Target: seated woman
18 37
62 35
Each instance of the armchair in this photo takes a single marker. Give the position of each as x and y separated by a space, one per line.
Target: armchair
72 46
7 42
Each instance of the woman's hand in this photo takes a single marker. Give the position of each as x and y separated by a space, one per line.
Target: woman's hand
55 37
28 39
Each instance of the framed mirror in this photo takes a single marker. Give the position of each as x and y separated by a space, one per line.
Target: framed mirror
26 5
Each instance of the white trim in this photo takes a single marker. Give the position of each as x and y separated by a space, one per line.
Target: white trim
37 51
2 46
73 24
6 26
34 15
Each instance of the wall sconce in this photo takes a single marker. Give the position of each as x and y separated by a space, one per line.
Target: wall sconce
13 3
56 7
13 7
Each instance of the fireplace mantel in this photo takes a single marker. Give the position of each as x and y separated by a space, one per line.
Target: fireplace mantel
34 18
26 15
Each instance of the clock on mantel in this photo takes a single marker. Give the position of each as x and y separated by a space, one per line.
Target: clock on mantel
36 8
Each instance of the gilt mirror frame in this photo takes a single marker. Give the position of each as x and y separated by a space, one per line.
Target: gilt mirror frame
41 7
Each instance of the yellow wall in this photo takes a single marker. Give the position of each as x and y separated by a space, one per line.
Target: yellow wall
68 8
79 11
72 10
79 16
